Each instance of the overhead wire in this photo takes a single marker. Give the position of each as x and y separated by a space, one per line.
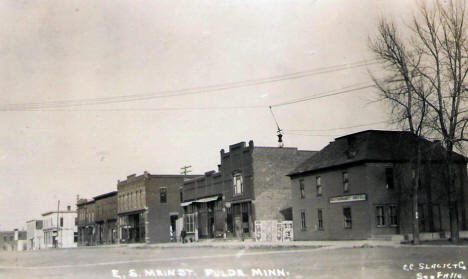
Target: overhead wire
185 91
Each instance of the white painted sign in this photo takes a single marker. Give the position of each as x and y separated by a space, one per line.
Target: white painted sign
348 198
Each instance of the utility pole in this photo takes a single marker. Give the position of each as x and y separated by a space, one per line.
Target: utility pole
58 213
185 170
279 132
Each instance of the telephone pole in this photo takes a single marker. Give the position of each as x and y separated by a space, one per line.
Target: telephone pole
58 213
185 170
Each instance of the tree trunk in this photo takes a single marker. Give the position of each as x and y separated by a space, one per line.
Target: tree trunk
416 214
452 197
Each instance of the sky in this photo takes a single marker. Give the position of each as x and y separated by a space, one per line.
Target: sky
93 91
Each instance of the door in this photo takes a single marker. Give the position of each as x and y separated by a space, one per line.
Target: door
238 226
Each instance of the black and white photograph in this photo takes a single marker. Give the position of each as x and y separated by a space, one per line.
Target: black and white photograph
233 139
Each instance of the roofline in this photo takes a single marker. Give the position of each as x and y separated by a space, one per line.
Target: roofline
377 131
113 193
51 212
295 174
85 202
147 174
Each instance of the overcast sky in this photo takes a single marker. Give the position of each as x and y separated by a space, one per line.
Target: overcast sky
69 51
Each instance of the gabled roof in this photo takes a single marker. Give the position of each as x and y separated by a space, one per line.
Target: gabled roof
372 145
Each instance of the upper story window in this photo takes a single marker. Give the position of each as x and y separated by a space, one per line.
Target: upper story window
302 189
345 182
318 181
61 221
389 178
237 184
163 195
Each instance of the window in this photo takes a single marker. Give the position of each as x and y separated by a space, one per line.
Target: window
61 221
320 219
301 186
389 178
318 181
380 214
181 196
393 215
345 182
163 195
237 181
347 218
190 223
303 220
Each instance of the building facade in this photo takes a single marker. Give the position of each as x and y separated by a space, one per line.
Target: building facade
35 235
148 207
60 230
105 218
86 222
359 187
250 185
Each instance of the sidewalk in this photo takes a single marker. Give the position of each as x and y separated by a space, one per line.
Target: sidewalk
214 243
251 244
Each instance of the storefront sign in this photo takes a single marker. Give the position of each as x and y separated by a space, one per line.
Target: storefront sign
349 198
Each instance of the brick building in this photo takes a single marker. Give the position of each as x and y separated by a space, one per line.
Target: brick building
35 235
105 218
60 230
359 187
85 222
250 185
148 207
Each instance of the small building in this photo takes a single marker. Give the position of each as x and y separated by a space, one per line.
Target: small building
148 207
359 187
105 218
60 229
249 187
35 235
13 240
86 222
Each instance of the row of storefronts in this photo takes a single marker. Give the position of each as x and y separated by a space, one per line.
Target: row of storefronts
357 187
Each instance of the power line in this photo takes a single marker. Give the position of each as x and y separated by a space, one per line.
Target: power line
186 91
308 135
334 92
321 96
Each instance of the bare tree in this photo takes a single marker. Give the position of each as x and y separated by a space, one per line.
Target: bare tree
426 85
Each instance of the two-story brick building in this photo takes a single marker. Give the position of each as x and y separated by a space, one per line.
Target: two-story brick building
86 222
250 185
359 187
147 207
105 218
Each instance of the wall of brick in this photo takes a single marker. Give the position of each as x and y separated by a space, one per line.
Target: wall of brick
158 217
272 188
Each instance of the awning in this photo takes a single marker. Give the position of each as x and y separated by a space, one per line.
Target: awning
185 203
209 199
